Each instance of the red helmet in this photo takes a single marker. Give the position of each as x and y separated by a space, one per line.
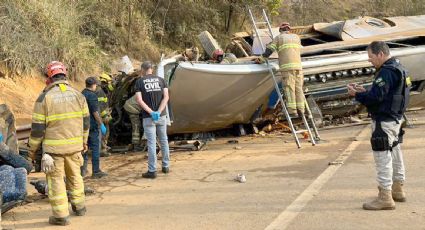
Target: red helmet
54 68
217 53
285 26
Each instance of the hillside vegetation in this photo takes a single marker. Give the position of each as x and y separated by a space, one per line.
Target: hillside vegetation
88 34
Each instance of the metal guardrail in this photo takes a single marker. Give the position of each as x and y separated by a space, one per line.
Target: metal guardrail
23 132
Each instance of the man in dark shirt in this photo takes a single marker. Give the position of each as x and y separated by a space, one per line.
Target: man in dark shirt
96 128
386 102
152 96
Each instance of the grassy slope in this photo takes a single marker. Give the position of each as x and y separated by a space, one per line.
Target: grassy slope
88 34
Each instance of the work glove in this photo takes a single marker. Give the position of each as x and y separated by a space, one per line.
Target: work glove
155 115
103 129
1 137
47 163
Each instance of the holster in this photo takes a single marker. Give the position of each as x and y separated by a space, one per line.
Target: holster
400 135
379 139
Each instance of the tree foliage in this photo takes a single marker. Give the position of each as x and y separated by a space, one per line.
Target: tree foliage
87 34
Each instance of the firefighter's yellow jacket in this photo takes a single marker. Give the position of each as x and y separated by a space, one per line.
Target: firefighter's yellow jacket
288 47
60 122
103 102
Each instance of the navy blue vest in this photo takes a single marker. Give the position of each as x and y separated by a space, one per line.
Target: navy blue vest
397 100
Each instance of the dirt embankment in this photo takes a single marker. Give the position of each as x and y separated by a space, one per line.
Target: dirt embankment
20 94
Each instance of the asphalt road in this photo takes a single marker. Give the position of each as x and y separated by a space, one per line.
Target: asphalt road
286 188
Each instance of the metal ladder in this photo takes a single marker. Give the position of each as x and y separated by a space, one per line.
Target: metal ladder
282 101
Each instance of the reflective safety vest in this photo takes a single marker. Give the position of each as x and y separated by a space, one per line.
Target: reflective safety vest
60 122
103 102
288 46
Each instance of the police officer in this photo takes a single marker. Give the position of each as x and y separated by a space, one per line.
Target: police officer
386 102
97 129
152 96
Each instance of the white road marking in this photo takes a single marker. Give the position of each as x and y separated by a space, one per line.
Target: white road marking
292 211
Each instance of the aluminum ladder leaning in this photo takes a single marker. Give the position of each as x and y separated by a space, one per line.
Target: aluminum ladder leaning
282 101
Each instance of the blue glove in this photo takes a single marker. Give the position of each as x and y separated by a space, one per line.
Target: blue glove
1 137
103 129
155 115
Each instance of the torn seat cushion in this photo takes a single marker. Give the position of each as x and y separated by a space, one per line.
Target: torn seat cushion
13 185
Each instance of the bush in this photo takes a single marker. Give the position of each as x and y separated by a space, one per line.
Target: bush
33 33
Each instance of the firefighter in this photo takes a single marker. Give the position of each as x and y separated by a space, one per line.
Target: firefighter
229 58
217 56
133 109
60 126
107 84
288 46
105 115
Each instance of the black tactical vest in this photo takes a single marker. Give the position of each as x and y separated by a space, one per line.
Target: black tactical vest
398 99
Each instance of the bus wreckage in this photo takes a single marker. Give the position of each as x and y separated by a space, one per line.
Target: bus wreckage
209 96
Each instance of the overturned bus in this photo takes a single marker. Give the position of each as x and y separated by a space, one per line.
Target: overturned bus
209 96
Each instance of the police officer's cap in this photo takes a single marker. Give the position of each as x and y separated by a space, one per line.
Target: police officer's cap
91 81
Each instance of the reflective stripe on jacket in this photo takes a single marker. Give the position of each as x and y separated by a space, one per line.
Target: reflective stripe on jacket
103 102
60 121
288 47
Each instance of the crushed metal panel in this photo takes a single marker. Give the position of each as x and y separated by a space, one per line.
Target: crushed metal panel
364 27
333 29
208 97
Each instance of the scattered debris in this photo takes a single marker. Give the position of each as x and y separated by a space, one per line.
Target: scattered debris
237 147
267 128
232 142
240 178
195 145
119 149
355 120
305 135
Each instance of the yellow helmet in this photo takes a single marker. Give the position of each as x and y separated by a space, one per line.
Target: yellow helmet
105 77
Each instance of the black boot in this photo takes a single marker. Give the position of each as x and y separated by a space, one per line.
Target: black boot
98 175
165 170
59 221
79 212
150 175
